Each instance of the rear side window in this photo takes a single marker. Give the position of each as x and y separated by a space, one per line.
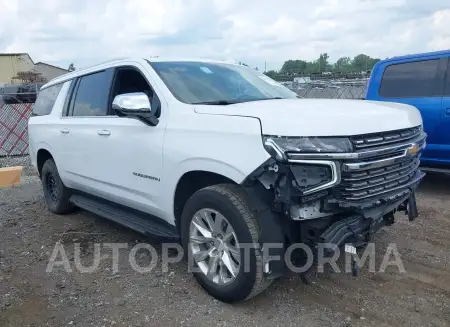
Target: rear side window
46 99
447 83
92 95
409 80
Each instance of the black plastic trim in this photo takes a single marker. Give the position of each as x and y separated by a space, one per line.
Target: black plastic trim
271 228
139 221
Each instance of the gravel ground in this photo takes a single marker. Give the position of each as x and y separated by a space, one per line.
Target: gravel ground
23 161
31 297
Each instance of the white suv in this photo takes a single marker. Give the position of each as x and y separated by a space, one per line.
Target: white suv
217 155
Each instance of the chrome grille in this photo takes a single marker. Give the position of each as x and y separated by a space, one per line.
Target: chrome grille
386 138
380 167
390 168
359 185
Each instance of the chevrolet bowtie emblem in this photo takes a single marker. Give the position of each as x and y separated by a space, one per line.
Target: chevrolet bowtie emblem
413 149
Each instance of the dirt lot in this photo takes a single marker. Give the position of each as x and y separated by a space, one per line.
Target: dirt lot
31 297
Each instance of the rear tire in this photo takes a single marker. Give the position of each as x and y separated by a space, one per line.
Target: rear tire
55 192
229 202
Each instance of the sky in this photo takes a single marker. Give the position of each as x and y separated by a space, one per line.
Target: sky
256 32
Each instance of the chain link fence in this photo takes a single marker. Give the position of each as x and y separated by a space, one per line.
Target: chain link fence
329 89
16 105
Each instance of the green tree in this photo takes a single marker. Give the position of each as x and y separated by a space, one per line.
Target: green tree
363 62
272 74
294 67
323 62
342 65
313 67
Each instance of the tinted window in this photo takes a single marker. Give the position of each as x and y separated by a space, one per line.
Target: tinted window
93 94
447 85
130 80
409 80
46 99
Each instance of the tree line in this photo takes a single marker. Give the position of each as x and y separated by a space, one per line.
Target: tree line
358 64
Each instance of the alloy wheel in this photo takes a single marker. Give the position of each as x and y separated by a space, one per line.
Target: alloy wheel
214 246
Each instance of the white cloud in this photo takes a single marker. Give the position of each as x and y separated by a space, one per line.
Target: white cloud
86 31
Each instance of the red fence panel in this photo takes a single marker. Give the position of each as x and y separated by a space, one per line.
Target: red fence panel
13 128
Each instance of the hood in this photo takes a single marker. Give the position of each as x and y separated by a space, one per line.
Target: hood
322 117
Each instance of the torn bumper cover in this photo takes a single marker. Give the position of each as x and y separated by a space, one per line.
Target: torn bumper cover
344 196
359 230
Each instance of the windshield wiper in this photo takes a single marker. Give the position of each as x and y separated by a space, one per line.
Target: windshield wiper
274 98
228 102
217 102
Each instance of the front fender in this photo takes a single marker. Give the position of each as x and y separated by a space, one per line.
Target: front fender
230 146
196 164
212 166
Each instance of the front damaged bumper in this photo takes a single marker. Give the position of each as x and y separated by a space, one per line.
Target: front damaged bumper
359 230
337 198
314 185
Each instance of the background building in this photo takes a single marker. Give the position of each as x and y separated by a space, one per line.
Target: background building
19 68
49 71
13 63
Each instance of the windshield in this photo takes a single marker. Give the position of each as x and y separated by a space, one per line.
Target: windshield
218 83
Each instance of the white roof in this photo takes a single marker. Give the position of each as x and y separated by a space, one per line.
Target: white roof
191 59
118 62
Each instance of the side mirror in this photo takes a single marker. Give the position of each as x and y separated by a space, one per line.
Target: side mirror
135 105
132 102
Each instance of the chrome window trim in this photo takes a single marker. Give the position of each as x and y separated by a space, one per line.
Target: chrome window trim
335 173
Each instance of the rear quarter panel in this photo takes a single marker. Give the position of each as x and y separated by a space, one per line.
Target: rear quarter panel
44 131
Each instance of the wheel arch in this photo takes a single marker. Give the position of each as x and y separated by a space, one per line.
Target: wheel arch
42 156
205 172
191 182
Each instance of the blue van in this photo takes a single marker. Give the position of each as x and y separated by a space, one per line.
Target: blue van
421 80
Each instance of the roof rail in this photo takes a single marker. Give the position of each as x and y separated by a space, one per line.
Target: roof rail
105 62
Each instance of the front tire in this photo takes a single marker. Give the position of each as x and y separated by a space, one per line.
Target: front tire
216 225
55 192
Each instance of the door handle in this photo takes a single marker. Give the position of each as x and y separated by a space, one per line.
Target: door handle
103 132
65 131
447 112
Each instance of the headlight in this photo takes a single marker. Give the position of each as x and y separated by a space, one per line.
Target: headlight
279 145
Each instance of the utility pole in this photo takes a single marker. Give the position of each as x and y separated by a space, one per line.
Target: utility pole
265 66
